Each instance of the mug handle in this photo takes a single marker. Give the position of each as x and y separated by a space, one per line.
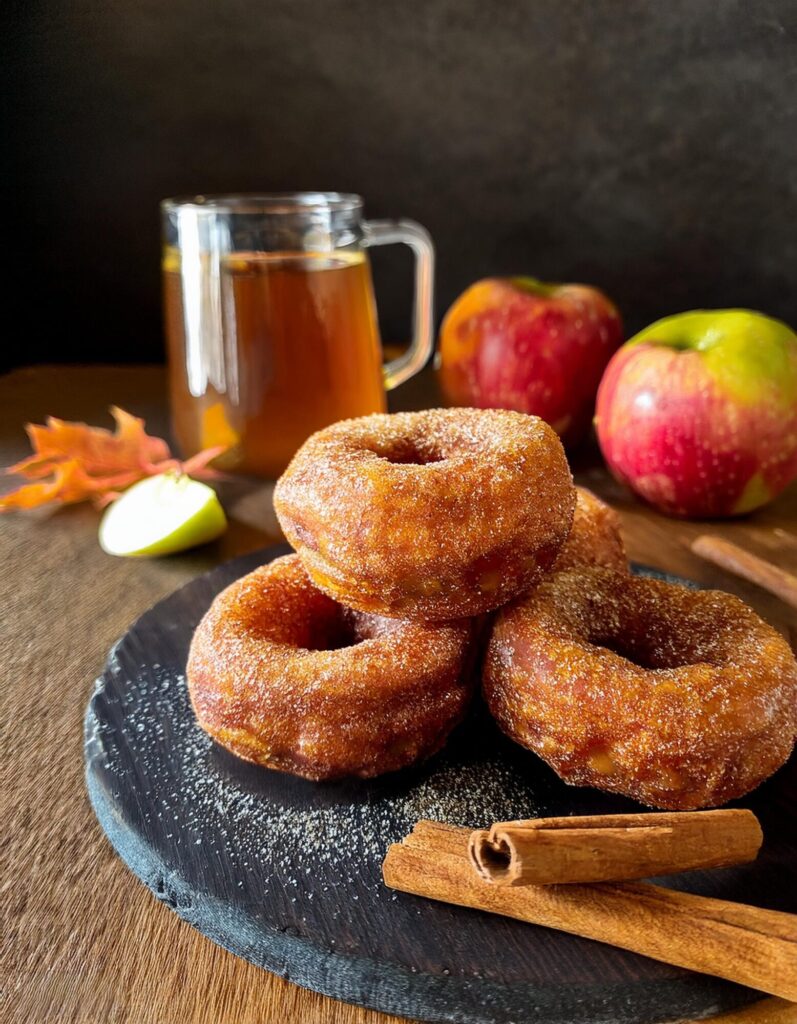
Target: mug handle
386 232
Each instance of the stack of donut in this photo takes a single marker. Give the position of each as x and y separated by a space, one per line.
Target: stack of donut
427 543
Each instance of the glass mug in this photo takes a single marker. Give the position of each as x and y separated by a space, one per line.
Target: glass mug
270 320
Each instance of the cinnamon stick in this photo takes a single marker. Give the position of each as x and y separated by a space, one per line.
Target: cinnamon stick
743 944
613 847
750 567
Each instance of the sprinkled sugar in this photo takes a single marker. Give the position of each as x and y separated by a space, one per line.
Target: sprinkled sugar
285 831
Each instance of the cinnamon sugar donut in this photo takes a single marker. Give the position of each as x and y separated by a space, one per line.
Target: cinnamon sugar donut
429 515
595 538
281 675
678 698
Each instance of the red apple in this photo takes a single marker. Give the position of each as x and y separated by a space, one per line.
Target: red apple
698 412
516 343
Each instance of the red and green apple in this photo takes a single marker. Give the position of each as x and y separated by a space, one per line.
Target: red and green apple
697 413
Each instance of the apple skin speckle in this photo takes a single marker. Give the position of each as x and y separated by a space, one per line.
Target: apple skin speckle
516 343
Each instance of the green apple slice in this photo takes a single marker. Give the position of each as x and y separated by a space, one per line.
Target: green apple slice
161 515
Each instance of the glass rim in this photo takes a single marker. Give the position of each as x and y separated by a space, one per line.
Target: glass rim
270 203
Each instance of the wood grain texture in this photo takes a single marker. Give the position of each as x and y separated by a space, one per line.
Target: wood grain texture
84 942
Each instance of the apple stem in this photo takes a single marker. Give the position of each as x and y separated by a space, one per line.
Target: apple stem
535 286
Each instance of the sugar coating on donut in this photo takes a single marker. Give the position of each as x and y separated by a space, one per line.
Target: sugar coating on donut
678 698
282 675
430 515
595 538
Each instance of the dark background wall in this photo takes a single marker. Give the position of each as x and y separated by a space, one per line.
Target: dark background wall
649 147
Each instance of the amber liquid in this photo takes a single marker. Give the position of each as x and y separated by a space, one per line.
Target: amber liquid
275 346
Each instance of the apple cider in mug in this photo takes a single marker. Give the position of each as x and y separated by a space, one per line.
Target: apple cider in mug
271 324
301 350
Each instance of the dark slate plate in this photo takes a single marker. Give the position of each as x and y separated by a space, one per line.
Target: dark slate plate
286 873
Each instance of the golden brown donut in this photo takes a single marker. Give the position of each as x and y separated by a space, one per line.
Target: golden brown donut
429 515
281 675
595 538
678 698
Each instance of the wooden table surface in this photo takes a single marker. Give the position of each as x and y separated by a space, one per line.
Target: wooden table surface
83 940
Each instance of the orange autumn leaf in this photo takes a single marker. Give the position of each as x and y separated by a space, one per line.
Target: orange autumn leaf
98 450
33 495
69 483
73 462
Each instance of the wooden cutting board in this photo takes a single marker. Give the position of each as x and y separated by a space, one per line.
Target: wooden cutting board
286 873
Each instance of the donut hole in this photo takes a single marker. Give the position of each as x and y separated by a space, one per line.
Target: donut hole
336 637
409 452
347 628
643 651
647 628
336 634
415 459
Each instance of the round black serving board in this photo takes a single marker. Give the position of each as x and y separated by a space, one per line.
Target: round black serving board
220 841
